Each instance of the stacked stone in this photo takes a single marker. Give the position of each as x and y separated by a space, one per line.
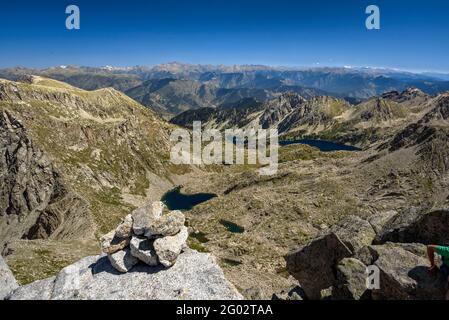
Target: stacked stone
147 234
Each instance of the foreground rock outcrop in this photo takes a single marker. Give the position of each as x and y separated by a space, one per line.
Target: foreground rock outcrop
145 257
7 281
194 276
336 265
314 264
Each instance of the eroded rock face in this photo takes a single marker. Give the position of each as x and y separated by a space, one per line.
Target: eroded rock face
35 201
195 276
7 281
20 163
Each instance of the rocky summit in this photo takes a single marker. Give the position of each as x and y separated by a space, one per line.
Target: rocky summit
153 264
194 276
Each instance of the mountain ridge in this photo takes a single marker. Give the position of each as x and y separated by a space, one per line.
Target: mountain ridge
355 84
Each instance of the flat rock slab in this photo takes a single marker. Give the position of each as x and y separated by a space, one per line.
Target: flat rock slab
195 276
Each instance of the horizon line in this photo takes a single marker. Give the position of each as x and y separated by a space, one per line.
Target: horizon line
217 65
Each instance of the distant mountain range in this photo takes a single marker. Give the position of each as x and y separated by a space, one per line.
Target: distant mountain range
323 117
175 87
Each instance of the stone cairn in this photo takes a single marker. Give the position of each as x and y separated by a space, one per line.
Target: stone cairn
147 234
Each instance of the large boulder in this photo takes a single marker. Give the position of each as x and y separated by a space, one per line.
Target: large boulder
313 264
194 276
379 220
404 273
355 232
7 281
417 225
339 258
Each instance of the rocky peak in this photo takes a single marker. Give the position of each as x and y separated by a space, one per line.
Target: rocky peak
278 108
290 99
27 78
392 95
440 111
430 132
413 93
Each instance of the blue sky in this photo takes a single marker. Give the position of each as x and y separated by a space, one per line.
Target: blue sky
414 35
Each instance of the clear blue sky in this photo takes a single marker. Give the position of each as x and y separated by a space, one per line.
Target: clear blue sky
414 34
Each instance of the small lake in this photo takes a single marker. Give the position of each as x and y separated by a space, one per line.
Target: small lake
175 200
232 227
323 145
